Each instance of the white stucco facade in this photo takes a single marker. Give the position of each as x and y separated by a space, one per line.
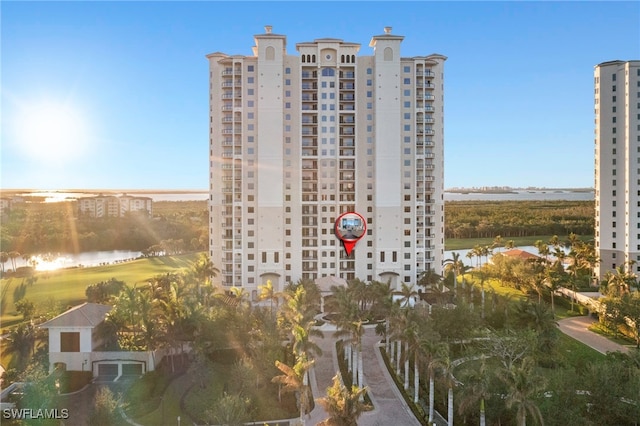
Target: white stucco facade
298 139
617 164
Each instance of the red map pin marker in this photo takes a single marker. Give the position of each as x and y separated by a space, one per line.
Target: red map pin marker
350 227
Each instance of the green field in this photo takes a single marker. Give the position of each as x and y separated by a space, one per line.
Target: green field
67 286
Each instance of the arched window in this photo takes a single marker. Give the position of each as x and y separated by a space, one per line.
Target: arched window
388 54
270 53
328 72
313 58
304 57
342 58
353 59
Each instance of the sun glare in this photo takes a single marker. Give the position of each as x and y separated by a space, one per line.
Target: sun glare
51 132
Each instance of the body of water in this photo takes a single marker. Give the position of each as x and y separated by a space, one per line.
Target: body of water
521 195
473 261
53 261
60 196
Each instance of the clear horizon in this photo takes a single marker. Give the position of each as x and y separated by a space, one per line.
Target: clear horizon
100 95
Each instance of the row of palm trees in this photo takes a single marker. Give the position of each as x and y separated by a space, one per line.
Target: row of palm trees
12 256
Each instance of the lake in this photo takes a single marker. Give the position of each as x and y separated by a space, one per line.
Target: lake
53 261
521 195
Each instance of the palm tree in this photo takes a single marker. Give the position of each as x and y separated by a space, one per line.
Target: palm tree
4 258
293 379
446 367
22 340
620 280
555 276
522 387
343 405
433 351
475 390
455 265
267 292
13 255
407 292
543 249
203 270
429 278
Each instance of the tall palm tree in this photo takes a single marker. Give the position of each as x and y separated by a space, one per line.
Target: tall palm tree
433 352
267 292
556 275
13 255
455 265
407 292
203 270
4 258
523 385
447 366
475 391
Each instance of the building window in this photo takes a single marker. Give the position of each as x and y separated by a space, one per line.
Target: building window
264 257
276 257
381 257
70 342
250 68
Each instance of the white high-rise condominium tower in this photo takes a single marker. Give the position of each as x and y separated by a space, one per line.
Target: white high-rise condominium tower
297 140
617 164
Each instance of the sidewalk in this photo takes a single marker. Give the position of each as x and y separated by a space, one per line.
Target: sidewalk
390 407
578 328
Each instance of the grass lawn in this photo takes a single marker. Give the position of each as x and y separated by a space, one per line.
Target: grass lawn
67 286
469 243
168 406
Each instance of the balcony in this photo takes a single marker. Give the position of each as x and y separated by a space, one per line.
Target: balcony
429 97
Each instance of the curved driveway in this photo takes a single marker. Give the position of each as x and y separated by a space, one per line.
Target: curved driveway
390 407
578 328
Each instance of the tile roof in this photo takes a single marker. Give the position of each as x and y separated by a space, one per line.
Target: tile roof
85 315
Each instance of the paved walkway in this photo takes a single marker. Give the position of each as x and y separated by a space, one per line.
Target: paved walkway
578 328
390 407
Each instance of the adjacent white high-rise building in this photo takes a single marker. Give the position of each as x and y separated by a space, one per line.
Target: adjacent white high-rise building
617 164
297 140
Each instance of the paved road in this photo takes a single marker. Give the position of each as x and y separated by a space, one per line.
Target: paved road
390 407
578 328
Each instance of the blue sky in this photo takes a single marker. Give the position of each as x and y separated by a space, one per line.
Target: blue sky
115 94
